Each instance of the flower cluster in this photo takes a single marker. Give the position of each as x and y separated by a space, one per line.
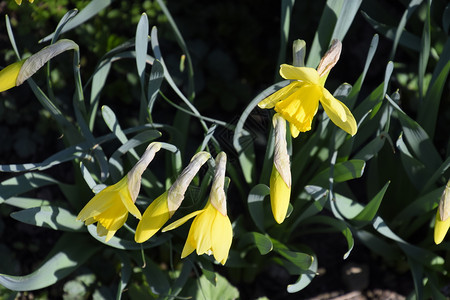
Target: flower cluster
211 229
298 103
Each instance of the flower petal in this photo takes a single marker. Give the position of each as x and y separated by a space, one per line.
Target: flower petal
201 227
189 246
129 204
440 228
339 113
181 221
114 217
98 204
154 217
294 130
300 108
281 94
221 237
305 74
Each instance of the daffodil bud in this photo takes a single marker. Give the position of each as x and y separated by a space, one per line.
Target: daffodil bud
444 203
176 192
217 196
16 73
135 174
280 179
442 216
299 53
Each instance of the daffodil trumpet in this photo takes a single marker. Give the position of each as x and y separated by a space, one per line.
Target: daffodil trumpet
442 216
211 231
298 102
163 207
280 179
110 207
16 73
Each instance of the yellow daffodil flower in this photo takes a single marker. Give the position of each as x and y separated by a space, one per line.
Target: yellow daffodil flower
211 230
280 179
442 216
298 102
110 207
16 73
163 207
20 1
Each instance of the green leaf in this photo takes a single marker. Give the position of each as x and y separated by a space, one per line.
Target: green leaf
71 251
378 245
184 48
93 8
66 18
428 112
261 241
156 278
98 82
73 152
336 18
113 124
24 202
371 209
419 142
286 12
141 44
420 205
421 255
337 225
182 278
405 38
301 260
24 183
242 140
305 278
255 204
446 19
125 273
343 171
351 99
139 139
372 148
222 290
53 217
154 83
347 14
424 50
